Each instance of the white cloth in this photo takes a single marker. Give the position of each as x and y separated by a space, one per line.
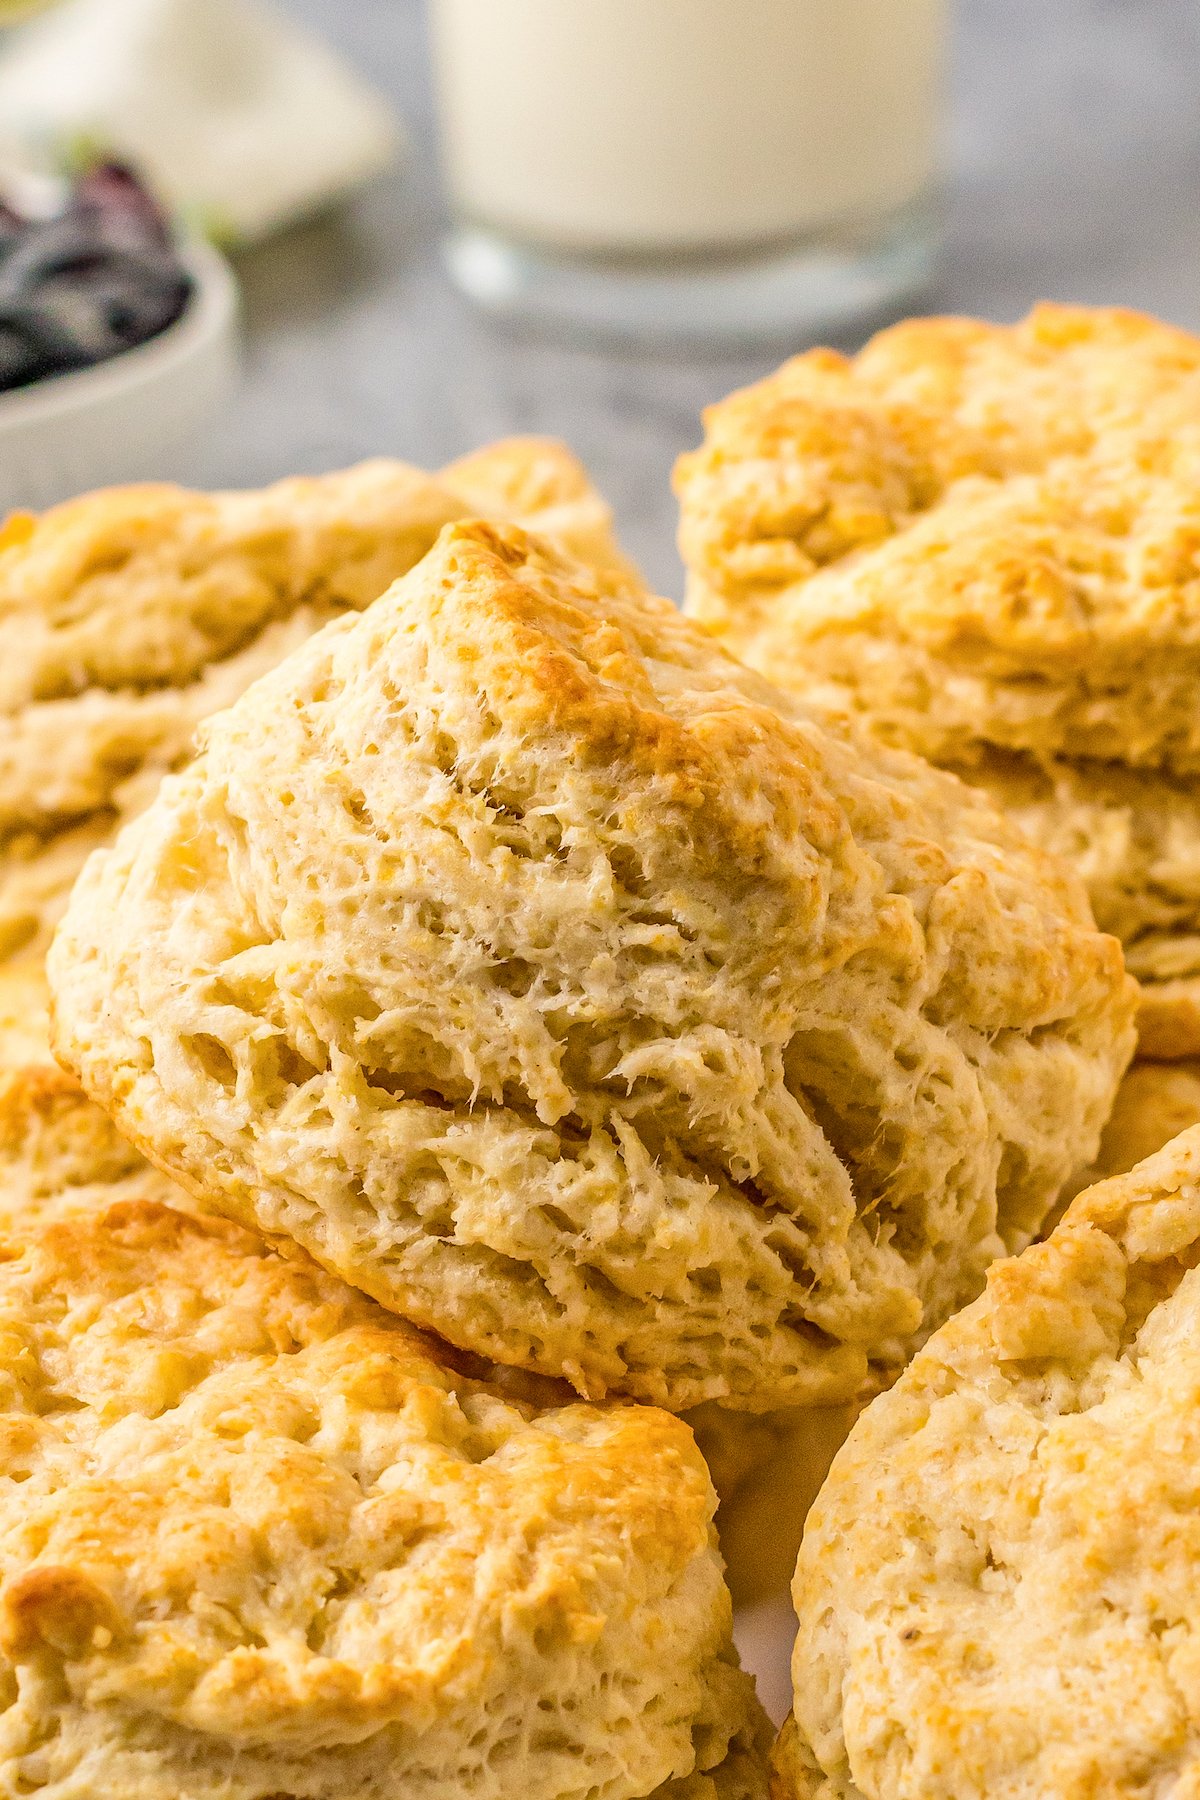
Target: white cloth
236 115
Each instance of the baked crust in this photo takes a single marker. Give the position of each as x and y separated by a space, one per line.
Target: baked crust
997 1592
258 1537
59 1151
1154 1103
1134 836
551 977
984 542
976 534
128 615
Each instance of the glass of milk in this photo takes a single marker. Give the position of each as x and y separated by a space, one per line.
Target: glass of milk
710 168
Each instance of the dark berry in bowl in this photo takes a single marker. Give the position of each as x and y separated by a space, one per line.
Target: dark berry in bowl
98 277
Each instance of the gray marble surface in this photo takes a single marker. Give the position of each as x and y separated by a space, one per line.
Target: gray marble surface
1072 170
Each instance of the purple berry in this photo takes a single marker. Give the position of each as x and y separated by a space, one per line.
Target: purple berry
100 277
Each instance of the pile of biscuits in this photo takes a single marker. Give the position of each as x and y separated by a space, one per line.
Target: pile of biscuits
982 542
524 1076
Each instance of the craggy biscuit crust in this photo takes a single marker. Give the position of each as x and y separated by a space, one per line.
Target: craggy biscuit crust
128 615
548 975
998 1591
259 1538
984 541
1134 836
59 1151
1154 1103
977 534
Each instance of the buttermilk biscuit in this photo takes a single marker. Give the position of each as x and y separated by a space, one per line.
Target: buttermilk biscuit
1134 836
985 541
977 534
999 1588
1154 1103
557 981
259 1538
59 1151
130 614
1055 613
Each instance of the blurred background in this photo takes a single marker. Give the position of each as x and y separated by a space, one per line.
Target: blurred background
1071 169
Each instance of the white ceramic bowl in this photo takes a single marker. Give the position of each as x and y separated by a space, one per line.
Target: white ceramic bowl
124 419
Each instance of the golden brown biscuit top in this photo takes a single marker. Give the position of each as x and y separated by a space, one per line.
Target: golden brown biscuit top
974 534
548 975
831 454
999 1590
241 1507
138 587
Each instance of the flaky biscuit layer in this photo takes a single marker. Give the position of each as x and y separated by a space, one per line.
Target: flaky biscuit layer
1134 837
998 1591
549 976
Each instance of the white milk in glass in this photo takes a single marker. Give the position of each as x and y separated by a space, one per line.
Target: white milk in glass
635 130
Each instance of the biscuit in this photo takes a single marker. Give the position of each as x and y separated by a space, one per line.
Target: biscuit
1051 614
128 615
1154 1103
258 1537
557 981
59 1151
998 1591
978 534
1134 836
984 541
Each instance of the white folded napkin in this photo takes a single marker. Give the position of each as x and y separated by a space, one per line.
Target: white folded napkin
234 113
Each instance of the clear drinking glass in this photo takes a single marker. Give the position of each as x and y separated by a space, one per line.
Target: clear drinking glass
690 167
